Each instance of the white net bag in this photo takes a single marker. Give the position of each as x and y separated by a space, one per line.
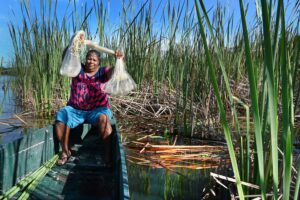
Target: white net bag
121 82
71 64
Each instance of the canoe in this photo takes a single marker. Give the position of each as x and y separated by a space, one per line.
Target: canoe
25 166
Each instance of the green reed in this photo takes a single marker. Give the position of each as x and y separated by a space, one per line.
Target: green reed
213 79
265 73
38 45
153 55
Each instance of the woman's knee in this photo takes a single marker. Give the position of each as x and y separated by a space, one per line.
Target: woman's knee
102 120
61 116
60 125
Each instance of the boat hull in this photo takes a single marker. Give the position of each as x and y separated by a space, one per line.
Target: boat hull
85 177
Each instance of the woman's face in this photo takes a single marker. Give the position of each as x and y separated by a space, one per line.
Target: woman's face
92 63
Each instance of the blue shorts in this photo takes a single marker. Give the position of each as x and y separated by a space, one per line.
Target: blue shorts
73 117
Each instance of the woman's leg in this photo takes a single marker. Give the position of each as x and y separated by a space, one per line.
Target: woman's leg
63 133
66 118
66 141
100 118
105 131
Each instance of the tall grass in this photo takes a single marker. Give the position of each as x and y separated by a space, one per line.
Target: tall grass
38 45
265 86
153 55
204 60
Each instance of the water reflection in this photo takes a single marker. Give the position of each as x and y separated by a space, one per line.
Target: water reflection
156 171
12 117
146 182
7 98
7 106
152 183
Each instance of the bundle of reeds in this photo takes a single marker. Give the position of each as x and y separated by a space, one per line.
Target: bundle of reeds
141 152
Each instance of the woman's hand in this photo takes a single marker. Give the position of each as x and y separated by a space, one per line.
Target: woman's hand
119 54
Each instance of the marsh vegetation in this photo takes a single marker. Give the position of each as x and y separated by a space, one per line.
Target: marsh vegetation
209 73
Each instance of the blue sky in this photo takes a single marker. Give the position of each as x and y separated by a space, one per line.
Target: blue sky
8 7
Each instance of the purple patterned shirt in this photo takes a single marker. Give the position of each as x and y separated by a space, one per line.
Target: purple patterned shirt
87 92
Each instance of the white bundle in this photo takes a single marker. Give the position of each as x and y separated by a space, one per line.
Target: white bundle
121 82
95 46
71 64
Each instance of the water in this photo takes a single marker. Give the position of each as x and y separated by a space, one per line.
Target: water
8 107
159 183
12 116
154 183
150 181
7 98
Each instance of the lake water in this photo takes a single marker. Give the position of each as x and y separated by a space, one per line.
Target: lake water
8 106
154 183
7 98
165 175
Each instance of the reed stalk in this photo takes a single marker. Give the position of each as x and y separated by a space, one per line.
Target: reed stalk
224 122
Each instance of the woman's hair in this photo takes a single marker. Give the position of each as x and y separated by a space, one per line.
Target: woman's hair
93 51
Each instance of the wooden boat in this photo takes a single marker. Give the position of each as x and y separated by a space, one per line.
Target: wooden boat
84 177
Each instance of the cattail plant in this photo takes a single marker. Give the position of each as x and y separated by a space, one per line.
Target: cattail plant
270 78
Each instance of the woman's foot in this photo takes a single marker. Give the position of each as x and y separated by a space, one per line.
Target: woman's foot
63 158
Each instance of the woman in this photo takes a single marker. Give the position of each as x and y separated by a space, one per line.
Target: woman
87 103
